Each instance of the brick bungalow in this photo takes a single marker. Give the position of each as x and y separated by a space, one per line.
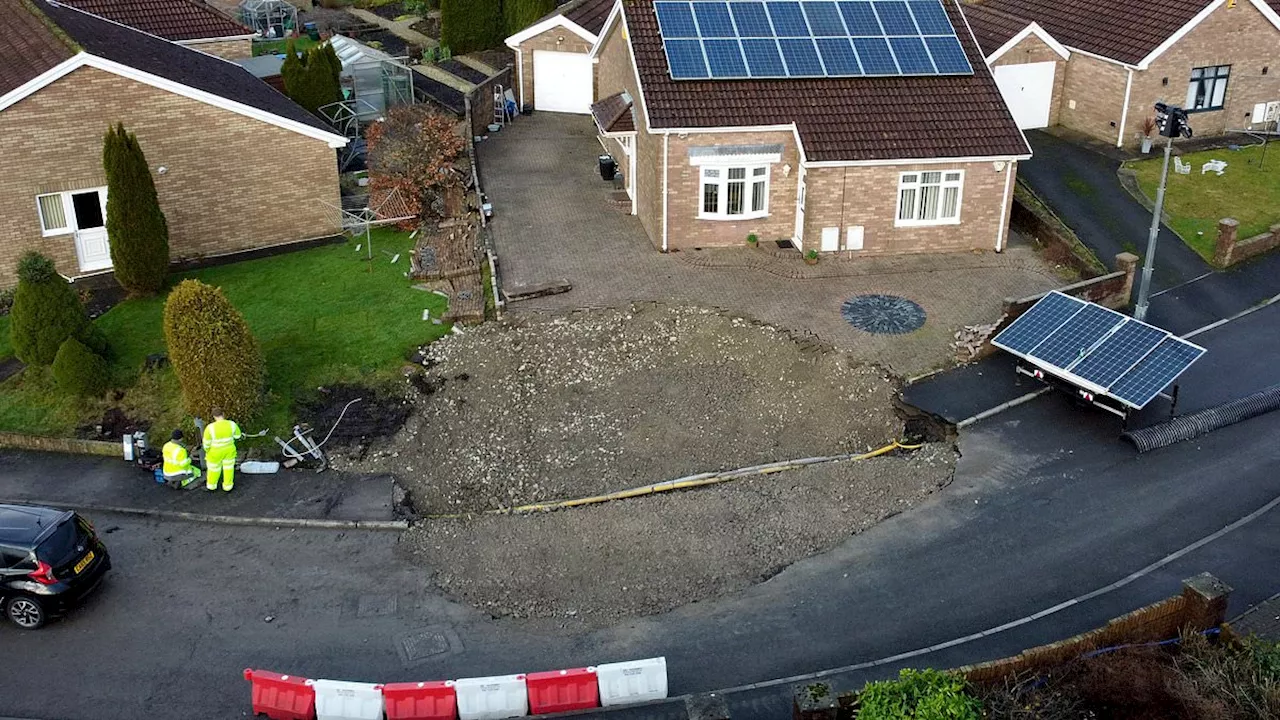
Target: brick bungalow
1098 66
873 165
553 61
238 166
186 22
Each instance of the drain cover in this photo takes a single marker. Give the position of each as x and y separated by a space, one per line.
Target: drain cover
882 314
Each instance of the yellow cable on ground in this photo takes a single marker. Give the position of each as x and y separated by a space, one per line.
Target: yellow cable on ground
684 483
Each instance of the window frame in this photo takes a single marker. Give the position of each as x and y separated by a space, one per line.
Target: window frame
1213 80
68 213
749 181
918 185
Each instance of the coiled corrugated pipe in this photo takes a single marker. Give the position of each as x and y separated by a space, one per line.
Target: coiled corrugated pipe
1204 421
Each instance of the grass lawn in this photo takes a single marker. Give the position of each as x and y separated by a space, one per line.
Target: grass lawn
275 47
1195 203
321 315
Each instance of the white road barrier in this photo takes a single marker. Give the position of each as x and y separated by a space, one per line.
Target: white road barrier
492 698
633 681
339 700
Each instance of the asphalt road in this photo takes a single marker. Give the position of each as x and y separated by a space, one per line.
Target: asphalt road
1047 505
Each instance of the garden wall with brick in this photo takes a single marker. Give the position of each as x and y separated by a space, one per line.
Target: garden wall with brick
1230 250
479 102
1200 606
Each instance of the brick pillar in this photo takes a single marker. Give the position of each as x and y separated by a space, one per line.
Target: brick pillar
815 701
1206 598
1127 263
1226 243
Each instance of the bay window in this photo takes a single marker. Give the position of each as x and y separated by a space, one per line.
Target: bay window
734 193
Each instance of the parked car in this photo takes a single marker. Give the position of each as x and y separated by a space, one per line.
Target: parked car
50 560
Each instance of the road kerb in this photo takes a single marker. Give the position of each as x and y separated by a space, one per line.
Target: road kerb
313 523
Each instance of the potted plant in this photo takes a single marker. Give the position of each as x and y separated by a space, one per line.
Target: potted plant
811 257
753 240
1148 127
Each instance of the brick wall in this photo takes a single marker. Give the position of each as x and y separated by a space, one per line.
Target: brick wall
684 193
615 73
481 101
558 39
229 49
868 196
1034 50
232 183
1237 36
1096 88
1229 249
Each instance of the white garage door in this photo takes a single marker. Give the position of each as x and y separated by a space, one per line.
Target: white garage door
1028 90
561 81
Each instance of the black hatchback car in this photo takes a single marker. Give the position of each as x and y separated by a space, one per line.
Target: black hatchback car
50 560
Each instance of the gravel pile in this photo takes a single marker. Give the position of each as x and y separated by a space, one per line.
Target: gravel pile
648 555
597 401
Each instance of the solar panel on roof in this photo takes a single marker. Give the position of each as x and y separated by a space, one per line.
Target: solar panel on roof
686 59
824 19
675 20
801 57
1095 347
816 38
911 55
713 20
763 58
751 19
838 56
724 59
948 56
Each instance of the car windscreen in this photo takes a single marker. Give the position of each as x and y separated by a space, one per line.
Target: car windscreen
60 547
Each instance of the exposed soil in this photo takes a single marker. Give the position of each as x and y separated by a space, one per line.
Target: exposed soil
605 400
113 426
385 41
648 555
390 11
362 414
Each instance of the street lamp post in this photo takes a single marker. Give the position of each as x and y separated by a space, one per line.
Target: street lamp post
1173 123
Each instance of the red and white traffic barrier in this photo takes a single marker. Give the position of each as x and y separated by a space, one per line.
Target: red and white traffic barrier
285 697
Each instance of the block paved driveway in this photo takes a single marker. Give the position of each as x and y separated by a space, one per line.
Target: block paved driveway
554 219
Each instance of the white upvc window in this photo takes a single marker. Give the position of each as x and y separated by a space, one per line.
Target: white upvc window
55 213
734 193
929 197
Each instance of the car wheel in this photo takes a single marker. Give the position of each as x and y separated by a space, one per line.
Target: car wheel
25 612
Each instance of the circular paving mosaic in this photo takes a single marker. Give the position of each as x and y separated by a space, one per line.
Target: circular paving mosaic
883 314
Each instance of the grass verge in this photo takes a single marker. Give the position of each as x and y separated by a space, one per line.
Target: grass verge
321 315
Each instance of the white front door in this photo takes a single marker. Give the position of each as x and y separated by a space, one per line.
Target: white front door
1028 91
562 82
89 216
799 235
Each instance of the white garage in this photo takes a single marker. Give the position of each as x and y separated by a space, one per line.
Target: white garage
1028 91
562 81
555 72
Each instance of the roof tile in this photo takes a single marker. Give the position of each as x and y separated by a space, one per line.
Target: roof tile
839 119
613 114
169 19
29 46
993 28
1123 31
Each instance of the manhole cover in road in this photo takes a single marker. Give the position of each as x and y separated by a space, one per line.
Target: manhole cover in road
420 645
376 605
882 314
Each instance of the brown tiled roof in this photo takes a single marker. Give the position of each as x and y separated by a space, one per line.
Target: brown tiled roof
839 119
613 114
1124 31
29 46
169 19
586 14
147 53
589 14
993 28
